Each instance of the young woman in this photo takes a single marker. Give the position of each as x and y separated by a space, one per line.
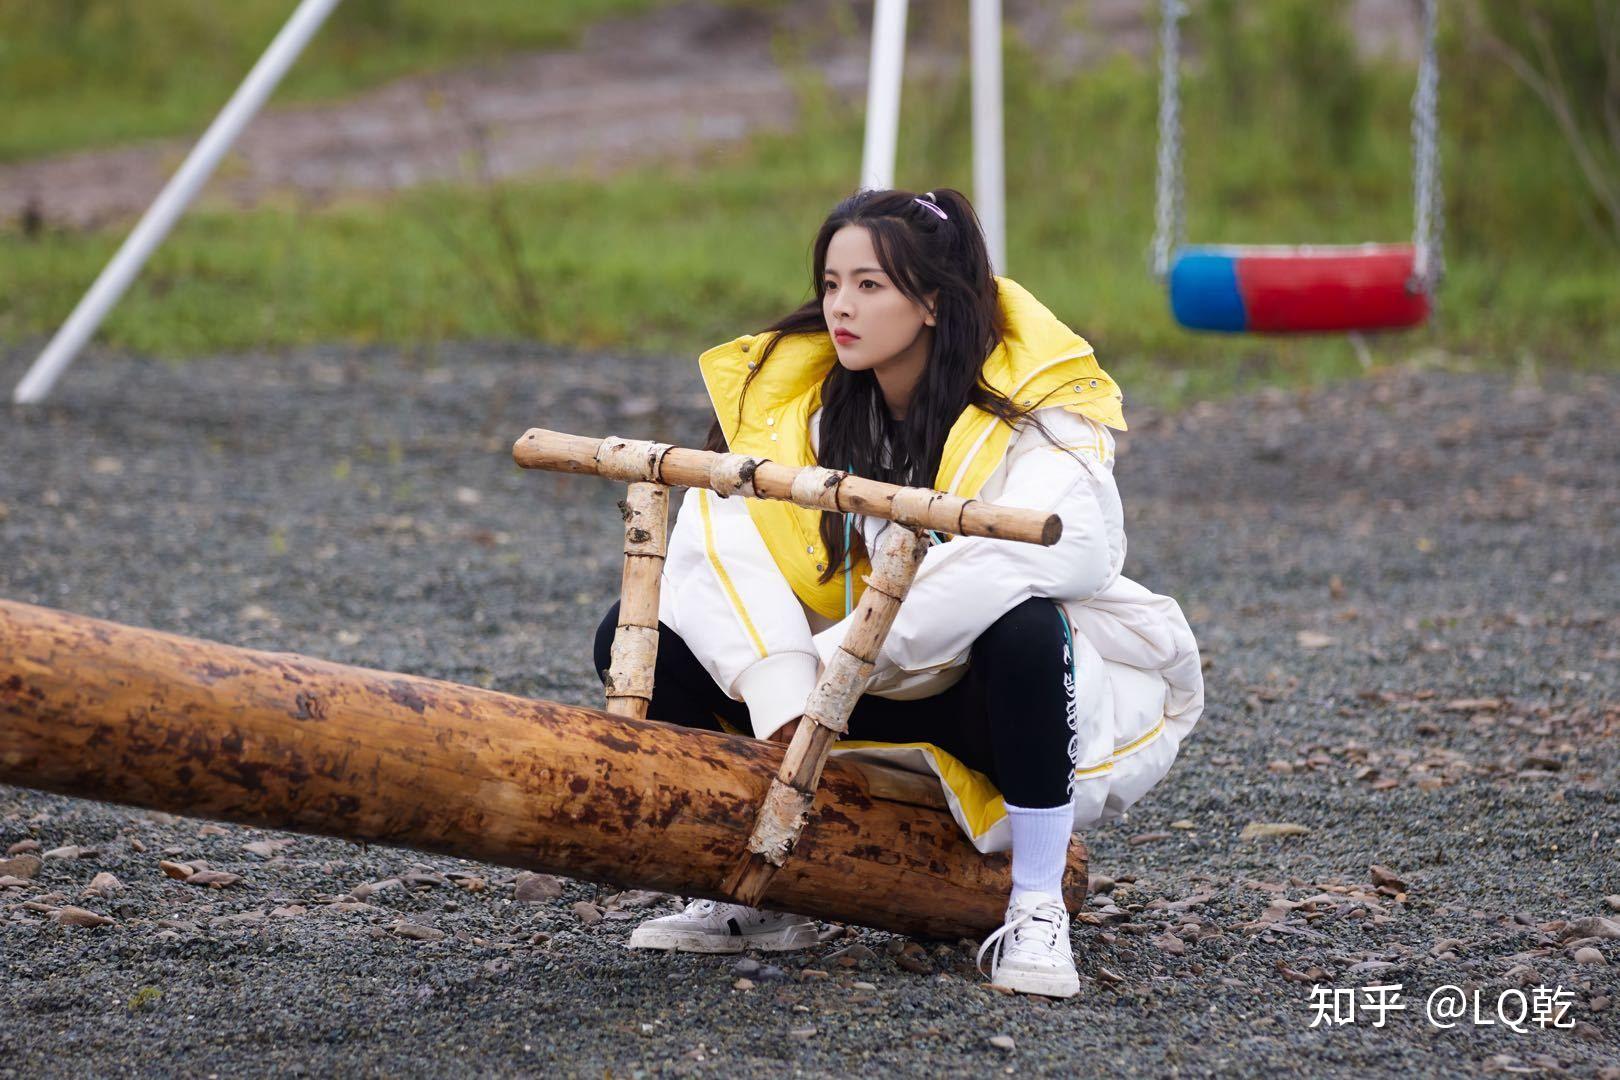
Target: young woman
1045 690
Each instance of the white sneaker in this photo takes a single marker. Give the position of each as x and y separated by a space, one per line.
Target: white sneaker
708 926
1032 952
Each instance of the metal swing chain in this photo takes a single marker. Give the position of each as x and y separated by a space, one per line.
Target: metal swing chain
1169 215
1428 224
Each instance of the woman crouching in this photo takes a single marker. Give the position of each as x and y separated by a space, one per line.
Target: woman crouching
1045 690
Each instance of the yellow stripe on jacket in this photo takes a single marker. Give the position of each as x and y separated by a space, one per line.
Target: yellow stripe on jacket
725 578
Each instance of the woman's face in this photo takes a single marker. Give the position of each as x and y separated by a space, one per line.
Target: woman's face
857 297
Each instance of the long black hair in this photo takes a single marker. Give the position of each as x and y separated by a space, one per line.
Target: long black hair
922 253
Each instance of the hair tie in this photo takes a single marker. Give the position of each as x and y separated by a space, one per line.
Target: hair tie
929 203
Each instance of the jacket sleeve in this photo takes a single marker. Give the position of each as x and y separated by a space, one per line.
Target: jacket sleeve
965 585
724 596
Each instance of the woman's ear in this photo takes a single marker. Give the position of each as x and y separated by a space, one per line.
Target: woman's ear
929 307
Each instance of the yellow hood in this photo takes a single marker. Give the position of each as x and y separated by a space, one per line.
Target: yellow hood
1040 360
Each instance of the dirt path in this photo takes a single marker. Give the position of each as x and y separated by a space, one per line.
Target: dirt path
658 87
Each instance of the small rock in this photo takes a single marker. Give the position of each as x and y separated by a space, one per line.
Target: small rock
1183 823
211 829
77 916
289 911
23 866
852 956
267 849
103 884
178 870
862 986
1171 944
802 1033
587 913
744 984
1613 902
416 931
345 907
1104 975
1099 883
9 882
1589 955
214 879
418 879
634 900
540 938
135 845
534 888
23 847
1003 1042
1593 926
914 958
1447 945
746 966
372 888
772 973
812 974
1385 877
1148 838
1255 830
70 851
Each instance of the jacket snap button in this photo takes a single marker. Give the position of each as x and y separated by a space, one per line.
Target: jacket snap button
750 365
770 420
773 436
809 551
1077 386
1093 382
745 348
820 567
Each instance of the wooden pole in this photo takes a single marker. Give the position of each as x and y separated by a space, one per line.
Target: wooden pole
103 711
826 716
812 486
635 642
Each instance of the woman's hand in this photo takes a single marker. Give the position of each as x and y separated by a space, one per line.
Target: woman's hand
784 734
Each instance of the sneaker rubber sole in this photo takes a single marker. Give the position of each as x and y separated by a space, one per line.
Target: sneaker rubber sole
1056 984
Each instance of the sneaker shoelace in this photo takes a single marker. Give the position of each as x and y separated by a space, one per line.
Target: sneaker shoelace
1048 915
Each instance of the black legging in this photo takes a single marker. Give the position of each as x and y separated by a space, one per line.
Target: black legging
1008 716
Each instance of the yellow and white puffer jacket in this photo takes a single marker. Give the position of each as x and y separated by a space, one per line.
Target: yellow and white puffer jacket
740 578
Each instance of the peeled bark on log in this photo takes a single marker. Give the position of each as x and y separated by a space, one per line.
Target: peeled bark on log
760 478
103 711
826 716
635 643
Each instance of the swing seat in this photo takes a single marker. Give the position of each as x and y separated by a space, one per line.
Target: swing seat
1277 289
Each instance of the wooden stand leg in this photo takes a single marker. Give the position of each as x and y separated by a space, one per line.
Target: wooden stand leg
635 644
826 716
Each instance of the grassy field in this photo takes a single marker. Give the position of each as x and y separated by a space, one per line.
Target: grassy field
91 72
659 261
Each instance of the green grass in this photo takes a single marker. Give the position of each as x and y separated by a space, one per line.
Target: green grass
78 73
662 261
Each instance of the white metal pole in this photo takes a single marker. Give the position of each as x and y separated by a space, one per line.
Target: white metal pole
173 199
989 153
883 93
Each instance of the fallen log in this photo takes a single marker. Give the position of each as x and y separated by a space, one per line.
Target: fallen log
104 711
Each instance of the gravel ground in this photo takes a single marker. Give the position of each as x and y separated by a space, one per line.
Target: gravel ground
1406 589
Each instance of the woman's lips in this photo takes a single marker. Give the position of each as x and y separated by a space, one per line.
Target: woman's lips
845 335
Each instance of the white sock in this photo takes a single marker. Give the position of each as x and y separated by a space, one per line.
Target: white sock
1040 847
